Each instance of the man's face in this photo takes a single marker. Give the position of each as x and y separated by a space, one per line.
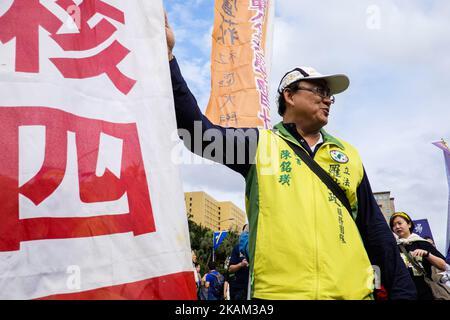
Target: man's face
308 108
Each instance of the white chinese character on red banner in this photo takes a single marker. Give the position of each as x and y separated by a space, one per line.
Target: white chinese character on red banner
24 18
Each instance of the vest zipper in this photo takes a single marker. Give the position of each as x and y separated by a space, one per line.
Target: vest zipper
317 285
315 224
316 248
315 233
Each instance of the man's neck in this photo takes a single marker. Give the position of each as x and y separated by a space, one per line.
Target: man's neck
310 136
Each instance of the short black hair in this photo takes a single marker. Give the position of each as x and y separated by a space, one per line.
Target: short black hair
281 101
211 265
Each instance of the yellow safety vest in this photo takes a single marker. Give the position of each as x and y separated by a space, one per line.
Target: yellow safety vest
303 243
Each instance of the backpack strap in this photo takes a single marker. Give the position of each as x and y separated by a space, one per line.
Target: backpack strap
415 264
216 276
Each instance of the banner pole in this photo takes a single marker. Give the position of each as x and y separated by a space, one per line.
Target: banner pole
213 258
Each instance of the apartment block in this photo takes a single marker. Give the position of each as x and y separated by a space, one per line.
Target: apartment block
386 203
212 214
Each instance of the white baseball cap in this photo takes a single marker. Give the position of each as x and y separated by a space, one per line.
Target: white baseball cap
337 83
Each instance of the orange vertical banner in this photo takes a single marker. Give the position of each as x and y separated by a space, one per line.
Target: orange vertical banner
240 64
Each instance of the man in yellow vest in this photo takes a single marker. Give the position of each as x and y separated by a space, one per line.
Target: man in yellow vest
303 242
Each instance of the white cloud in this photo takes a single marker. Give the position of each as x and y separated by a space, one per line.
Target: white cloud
407 32
197 74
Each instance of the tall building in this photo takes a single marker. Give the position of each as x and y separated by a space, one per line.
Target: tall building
232 216
203 209
386 203
215 215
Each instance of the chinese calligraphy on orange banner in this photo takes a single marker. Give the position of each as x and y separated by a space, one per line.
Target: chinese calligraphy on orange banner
239 64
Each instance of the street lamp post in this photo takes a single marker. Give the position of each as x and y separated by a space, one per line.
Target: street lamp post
230 219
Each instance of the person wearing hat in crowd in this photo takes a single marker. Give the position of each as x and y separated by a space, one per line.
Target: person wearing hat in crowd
303 242
419 249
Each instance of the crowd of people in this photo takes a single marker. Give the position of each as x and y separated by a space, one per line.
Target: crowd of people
233 283
423 261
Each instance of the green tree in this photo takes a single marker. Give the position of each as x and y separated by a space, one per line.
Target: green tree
202 243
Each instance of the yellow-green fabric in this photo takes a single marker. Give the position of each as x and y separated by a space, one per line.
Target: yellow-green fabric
303 242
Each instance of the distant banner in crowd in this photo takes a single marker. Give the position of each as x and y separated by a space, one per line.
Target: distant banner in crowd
444 147
85 107
422 228
447 259
219 236
240 63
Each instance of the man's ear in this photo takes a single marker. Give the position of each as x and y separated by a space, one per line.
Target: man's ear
288 97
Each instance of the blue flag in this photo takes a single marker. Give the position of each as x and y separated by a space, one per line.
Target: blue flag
448 256
219 236
422 228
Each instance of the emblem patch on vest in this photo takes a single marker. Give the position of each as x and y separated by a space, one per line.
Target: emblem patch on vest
338 156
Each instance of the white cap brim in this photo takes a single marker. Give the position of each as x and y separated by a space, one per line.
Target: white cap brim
337 83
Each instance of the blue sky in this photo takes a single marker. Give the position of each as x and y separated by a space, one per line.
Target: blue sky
396 53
